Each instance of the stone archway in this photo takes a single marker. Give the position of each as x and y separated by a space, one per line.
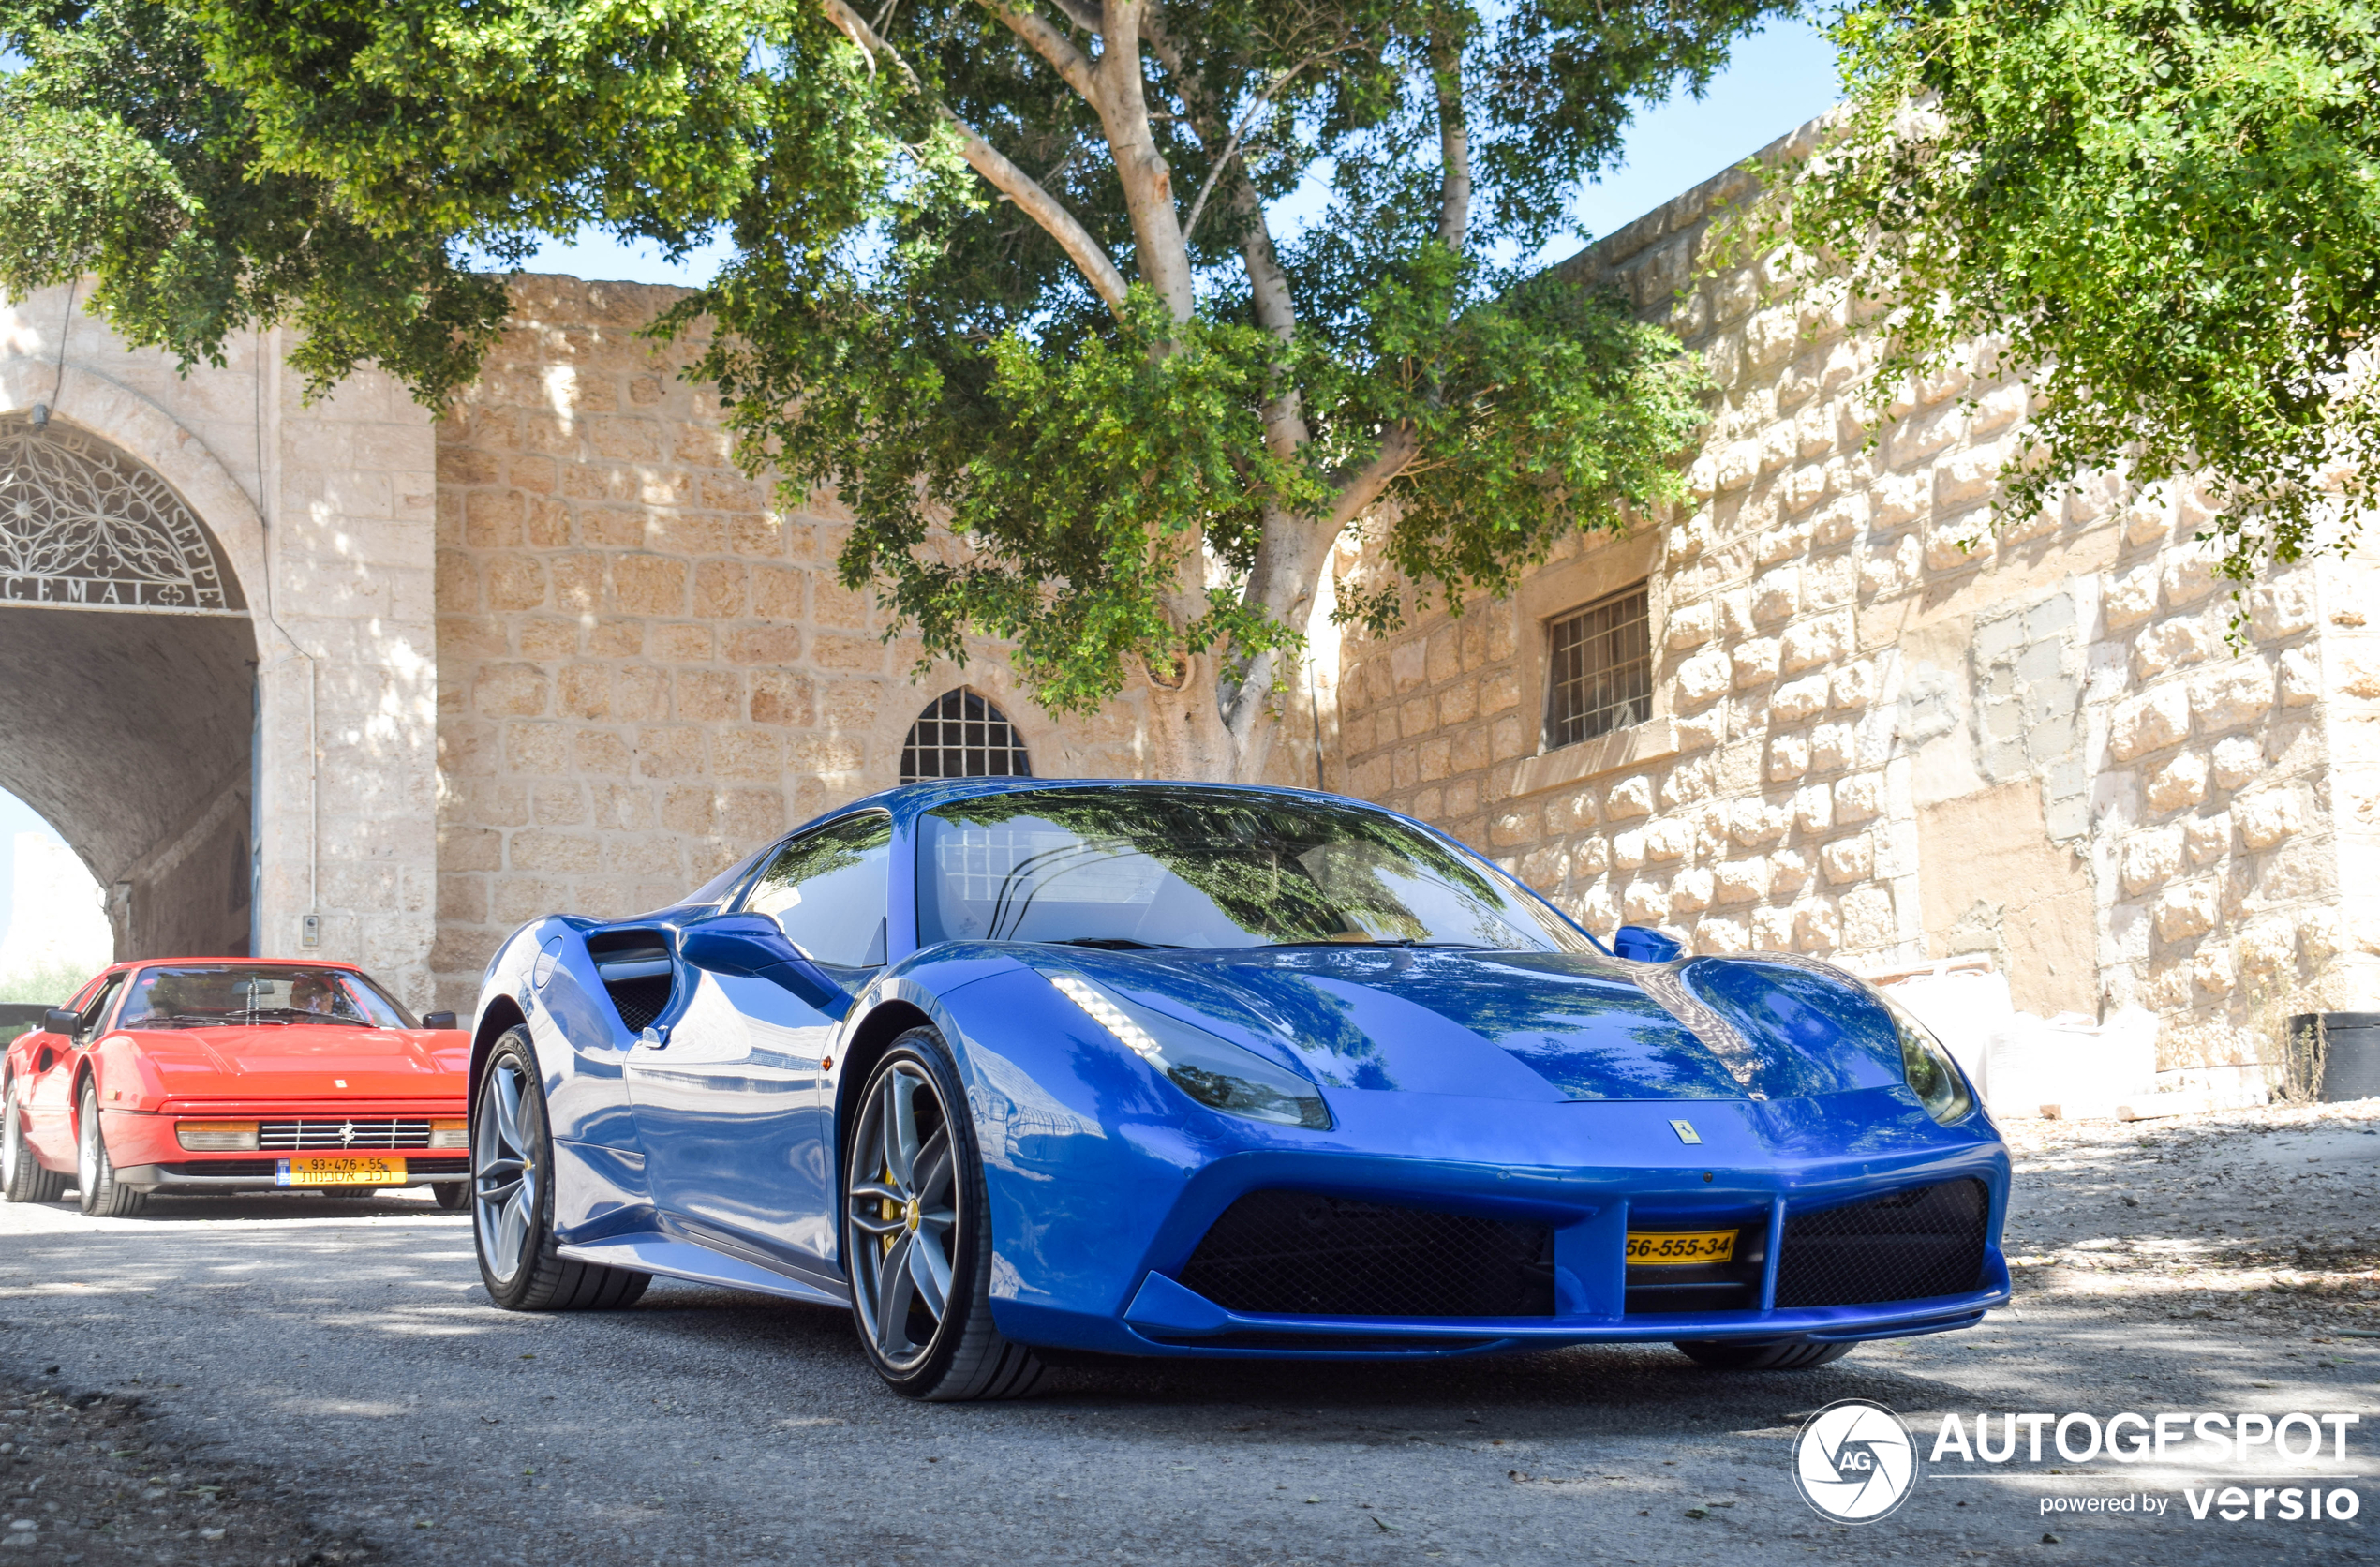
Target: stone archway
128 706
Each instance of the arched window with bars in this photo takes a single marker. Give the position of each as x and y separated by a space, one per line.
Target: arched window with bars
961 734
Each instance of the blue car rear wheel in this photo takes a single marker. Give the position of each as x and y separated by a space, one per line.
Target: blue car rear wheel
918 1234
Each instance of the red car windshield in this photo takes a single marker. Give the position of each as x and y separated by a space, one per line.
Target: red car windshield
195 996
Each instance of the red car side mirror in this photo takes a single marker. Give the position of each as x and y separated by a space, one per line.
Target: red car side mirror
59 1020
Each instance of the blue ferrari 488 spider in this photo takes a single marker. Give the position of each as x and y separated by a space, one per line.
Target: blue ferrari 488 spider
1014 1069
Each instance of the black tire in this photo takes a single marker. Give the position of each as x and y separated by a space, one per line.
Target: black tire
887 1219
1774 1354
453 1196
23 1177
512 1197
103 1195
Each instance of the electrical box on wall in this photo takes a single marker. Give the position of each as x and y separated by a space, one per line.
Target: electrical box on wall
310 930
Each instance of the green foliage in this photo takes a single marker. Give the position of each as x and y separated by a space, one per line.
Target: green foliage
2170 210
120 158
1123 478
54 984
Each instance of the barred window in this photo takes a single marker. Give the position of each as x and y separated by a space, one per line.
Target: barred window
961 734
1600 672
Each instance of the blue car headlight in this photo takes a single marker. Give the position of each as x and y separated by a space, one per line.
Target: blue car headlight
1215 1072
1932 1075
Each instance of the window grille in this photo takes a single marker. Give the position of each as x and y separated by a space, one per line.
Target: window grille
961 734
1600 670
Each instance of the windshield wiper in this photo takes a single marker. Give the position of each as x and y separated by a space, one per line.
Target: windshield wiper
1383 941
299 1014
1119 944
195 1019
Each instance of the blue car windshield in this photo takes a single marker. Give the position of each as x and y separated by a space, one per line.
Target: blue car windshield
1209 868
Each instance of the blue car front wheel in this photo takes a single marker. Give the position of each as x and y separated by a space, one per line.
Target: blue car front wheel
918 1234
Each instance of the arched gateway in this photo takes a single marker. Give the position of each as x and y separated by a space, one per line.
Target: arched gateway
128 706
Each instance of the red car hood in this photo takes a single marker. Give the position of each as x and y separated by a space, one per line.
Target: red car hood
305 1061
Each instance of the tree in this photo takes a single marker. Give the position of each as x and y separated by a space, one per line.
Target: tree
2167 212
1004 265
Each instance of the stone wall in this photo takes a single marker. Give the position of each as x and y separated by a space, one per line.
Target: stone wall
1884 733
323 515
647 665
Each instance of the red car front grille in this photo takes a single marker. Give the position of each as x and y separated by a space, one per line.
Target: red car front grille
379 1132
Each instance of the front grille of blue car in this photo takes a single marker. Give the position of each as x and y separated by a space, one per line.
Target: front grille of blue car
1911 1245
1303 1254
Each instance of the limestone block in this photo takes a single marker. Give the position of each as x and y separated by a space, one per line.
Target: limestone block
2267 946
2237 759
1715 936
1814 430
2131 595
1645 902
2186 911
1805 486
2210 970
1788 758
1690 625
1854 685
2151 859
1592 856
1889 567
2143 523
1688 783
2300 677
1690 538
1628 849
1703 678
1818 926
1788 871
1756 822
2267 815
508 690
1754 661
1958 543
2170 644
2228 698
1741 881
1840 520
1788 543
1630 798
1868 918
1896 500
2207 838
2147 723
1691 891
1736 613
1796 700
1814 809
1773 930
2278 609
1540 868
1701 731
1847 859
1737 465
1966 479
1832 746
1831 582
1570 811
2187 573
2180 782
1824 640
1859 798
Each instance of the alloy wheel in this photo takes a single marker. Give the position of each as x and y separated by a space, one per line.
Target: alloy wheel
904 1215
86 1154
504 1172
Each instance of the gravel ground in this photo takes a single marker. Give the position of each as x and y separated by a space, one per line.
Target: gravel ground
329 1384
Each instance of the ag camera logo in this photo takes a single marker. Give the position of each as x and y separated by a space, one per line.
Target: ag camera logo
1854 1461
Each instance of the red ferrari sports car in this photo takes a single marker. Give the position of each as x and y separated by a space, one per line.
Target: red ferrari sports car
204 1075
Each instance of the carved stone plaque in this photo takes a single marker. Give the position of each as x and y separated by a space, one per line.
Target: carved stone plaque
83 526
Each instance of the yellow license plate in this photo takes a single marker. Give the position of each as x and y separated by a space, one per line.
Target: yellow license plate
338 1170
1679 1251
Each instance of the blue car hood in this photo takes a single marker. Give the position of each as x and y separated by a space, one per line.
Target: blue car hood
1520 1026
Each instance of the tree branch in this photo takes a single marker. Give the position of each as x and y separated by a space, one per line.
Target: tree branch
1163 259
1082 13
1455 141
1231 148
1051 45
1005 177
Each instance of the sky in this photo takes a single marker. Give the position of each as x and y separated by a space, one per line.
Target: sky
1778 79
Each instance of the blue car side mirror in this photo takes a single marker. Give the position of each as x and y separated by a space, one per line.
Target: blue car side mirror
752 944
1644 945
